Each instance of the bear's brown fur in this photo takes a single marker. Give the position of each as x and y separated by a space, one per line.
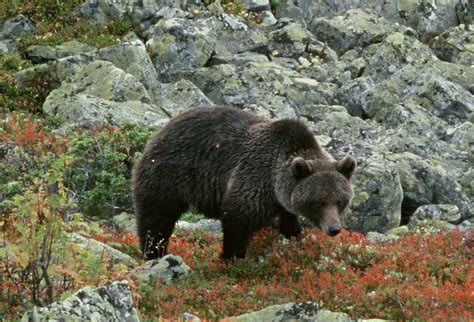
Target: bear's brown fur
240 168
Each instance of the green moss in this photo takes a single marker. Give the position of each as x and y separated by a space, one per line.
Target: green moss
162 46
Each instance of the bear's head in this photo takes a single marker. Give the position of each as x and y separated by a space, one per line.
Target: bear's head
317 189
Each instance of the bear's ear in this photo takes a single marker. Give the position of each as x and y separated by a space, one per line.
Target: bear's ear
300 167
347 166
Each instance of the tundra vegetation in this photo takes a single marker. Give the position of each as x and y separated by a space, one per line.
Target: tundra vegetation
58 178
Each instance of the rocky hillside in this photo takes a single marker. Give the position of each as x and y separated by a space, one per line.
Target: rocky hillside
83 85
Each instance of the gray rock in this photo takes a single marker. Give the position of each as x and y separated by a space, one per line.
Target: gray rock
98 248
467 179
444 212
8 46
209 225
455 45
375 237
426 182
167 269
43 54
378 196
216 8
183 44
423 16
293 40
356 28
466 227
102 93
139 11
430 226
465 11
179 97
398 231
125 221
239 59
461 136
190 317
265 88
408 73
109 303
131 56
303 311
256 5
16 27
268 19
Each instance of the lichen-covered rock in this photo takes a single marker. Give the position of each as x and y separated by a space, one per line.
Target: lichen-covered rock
109 303
398 231
182 44
131 56
209 225
461 136
366 97
143 12
8 46
265 88
465 11
180 96
99 249
16 27
427 182
455 45
256 5
378 196
444 212
303 311
102 93
356 28
239 59
42 54
167 269
293 40
423 16
125 221
375 237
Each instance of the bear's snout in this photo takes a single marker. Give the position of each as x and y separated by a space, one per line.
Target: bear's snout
329 222
334 230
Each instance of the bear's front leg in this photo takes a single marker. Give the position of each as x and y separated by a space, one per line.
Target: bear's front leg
289 225
236 235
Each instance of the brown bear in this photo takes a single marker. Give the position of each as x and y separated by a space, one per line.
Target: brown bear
240 168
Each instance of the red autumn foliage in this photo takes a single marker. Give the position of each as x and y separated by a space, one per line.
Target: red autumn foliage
419 276
28 133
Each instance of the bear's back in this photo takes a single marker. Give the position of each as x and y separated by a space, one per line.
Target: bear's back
195 153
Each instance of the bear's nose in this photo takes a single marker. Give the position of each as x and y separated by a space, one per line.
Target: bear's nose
334 230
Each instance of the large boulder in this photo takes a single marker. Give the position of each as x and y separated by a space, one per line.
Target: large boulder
180 44
42 54
355 29
378 196
455 45
100 249
102 93
16 27
166 269
303 311
108 303
423 16
266 88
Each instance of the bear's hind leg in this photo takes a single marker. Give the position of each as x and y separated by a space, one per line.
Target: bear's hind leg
155 224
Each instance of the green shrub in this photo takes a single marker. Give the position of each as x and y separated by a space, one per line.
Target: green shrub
100 170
